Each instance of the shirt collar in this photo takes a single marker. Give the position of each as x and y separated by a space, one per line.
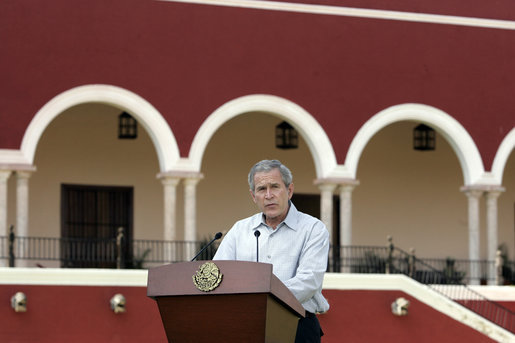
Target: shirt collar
290 221
291 217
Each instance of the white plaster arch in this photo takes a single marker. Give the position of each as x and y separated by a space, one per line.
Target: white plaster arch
153 122
315 137
502 155
459 139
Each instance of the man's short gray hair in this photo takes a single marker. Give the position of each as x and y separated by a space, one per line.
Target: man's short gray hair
267 166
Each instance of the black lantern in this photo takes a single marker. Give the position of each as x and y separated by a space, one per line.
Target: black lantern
127 126
286 136
424 138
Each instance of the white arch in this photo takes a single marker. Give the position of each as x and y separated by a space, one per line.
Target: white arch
502 155
308 127
157 128
448 127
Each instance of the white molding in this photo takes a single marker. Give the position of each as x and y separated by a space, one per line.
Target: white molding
501 157
459 139
73 277
315 137
359 13
12 157
153 122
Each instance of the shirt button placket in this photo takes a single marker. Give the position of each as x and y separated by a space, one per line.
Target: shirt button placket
269 256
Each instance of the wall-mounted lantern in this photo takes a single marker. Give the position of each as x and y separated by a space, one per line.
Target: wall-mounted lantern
127 126
424 138
117 303
19 302
400 307
286 137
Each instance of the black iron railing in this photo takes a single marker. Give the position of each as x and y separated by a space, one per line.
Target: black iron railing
446 276
113 253
443 276
98 252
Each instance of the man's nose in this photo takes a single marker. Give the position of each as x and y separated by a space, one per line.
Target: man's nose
268 193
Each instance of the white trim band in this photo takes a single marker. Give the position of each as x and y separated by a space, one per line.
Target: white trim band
359 12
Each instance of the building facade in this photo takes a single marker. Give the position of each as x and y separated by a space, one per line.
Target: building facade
208 82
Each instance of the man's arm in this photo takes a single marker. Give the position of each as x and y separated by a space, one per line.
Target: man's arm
312 265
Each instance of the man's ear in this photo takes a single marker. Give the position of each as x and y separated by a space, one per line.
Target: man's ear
290 190
252 195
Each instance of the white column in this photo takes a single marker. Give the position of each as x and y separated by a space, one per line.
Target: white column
346 221
326 216
491 227
346 212
4 176
190 214
473 196
326 207
170 216
22 213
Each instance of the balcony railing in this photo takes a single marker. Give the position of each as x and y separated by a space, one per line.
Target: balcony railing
111 253
446 276
97 252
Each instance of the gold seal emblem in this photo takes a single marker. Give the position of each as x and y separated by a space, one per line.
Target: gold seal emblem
207 277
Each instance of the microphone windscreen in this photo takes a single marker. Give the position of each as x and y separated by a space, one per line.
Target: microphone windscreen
218 235
257 233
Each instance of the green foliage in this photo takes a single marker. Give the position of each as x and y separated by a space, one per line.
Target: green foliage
452 276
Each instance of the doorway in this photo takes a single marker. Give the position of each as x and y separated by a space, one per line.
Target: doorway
90 219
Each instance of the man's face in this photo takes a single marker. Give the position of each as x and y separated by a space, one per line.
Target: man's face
271 195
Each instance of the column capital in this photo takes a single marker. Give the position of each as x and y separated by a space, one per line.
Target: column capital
474 189
494 194
4 174
23 174
192 181
17 167
180 175
339 181
336 180
328 187
169 180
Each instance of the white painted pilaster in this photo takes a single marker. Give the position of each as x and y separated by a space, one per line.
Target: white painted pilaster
492 232
170 214
22 214
190 213
4 176
473 196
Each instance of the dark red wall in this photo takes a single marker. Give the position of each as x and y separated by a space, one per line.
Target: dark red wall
82 314
79 314
187 60
365 316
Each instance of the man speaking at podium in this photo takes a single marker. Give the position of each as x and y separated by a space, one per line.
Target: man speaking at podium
296 244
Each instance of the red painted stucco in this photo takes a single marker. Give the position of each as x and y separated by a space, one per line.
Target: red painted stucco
365 316
79 314
188 59
82 314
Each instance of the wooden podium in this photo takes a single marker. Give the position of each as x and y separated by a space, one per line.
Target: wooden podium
249 305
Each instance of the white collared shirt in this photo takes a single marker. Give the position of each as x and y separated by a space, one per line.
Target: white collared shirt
298 250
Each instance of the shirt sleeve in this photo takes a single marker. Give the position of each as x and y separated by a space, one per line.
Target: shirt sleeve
227 248
312 266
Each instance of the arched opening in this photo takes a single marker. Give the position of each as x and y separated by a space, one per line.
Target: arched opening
414 196
223 194
88 183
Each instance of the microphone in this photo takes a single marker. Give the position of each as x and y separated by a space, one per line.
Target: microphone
217 236
257 234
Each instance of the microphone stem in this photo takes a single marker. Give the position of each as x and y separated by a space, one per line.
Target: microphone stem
257 249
